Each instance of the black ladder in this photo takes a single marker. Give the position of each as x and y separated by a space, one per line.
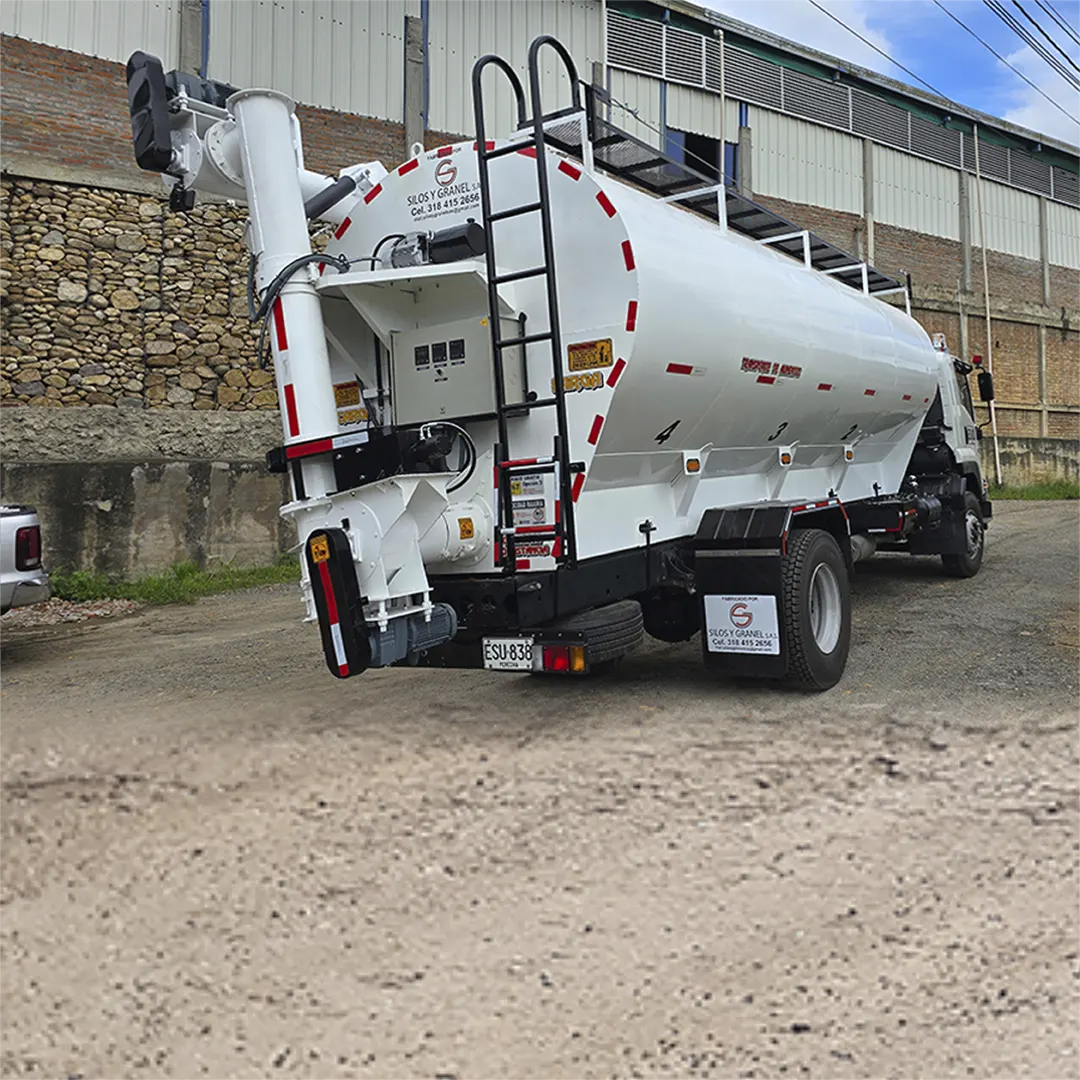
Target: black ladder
560 532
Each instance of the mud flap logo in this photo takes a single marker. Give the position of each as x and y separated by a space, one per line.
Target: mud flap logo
742 624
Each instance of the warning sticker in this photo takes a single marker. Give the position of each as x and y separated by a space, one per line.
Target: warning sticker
586 355
529 511
346 393
320 548
527 484
742 624
532 551
466 530
352 416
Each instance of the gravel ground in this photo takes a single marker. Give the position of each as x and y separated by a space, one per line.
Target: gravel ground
66 611
218 860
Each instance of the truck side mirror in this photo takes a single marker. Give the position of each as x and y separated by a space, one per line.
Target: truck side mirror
986 386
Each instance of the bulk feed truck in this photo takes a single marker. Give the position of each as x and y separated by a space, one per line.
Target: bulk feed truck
541 395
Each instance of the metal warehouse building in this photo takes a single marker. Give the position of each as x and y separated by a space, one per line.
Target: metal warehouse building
107 301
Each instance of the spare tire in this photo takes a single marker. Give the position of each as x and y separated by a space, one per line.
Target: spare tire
610 631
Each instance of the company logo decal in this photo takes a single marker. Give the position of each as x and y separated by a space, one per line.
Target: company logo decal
768 367
445 172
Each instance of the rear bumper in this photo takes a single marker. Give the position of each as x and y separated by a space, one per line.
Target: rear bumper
28 591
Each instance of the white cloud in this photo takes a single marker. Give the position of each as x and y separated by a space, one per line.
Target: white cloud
1030 109
803 23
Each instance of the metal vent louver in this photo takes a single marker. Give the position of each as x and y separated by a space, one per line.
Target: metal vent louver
714 66
878 119
815 99
684 56
993 160
1026 172
635 44
1066 186
750 78
935 142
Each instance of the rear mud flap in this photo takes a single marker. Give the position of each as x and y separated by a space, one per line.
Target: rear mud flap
338 602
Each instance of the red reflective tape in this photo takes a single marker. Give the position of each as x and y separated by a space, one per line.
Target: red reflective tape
823 502
579 483
340 231
409 166
528 151
616 371
372 193
279 327
519 461
328 592
907 397
444 151
824 385
299 450
488 145
496 547
606 203
566 167
594 431
680 369
532 529
869 393
628 255
631 315
558 512
290 410
322 267
556 548
523 564
767 379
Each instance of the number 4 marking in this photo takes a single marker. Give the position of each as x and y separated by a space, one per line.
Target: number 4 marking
667 432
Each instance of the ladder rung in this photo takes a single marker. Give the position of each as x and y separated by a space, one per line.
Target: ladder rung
519 275
524 406
528 339
517 211
548 532
521 463
502 151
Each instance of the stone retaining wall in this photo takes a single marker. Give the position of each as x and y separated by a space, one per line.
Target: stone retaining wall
111 300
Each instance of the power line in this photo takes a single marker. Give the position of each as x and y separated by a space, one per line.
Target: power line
1036 47
1038 26
875 48
1064 112
1053 13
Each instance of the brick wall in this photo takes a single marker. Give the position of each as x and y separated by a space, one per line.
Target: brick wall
106 298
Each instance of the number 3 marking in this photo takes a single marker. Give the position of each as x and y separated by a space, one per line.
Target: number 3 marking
778 431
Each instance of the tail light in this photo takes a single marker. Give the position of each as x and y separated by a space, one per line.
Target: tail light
28 548
564 658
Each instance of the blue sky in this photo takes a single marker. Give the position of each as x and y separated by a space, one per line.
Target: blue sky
923 38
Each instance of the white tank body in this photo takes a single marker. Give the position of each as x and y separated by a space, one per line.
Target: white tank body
719 346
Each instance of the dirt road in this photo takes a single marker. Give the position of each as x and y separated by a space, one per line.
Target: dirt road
218 860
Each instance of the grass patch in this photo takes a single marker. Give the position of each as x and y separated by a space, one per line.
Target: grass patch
1050 489
183 584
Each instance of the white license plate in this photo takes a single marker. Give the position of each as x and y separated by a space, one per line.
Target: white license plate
508 654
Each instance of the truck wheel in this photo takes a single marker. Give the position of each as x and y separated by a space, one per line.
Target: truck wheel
816 609
967 565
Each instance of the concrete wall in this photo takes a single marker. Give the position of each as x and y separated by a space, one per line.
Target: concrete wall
132 519
1033 461
131 494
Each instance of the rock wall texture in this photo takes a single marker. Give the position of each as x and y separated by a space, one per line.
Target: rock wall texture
111 300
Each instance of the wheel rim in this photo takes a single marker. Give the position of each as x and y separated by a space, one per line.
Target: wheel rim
826 608
974 530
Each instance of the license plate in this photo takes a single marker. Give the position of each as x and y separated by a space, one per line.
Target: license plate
508 654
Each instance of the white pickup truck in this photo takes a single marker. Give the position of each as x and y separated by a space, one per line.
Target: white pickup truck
23 579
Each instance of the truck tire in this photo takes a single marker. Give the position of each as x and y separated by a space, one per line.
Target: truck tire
967 565
610 631
816 609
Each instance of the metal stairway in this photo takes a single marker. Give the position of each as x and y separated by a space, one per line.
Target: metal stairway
561 531
627 158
